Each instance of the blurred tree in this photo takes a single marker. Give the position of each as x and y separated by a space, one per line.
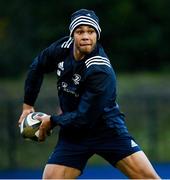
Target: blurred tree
135 33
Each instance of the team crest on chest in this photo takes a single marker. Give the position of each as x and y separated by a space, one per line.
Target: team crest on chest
76 79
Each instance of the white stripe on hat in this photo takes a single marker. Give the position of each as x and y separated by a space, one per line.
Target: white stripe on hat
85 23
84 20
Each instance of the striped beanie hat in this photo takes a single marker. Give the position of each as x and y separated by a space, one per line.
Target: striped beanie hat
84 17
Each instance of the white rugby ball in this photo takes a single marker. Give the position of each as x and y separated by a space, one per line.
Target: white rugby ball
29 127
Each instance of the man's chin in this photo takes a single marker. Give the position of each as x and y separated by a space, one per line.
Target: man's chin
86 50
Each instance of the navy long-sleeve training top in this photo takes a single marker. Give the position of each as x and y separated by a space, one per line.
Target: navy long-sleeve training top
86 88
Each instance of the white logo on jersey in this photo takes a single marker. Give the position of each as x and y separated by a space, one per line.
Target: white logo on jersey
61 65
60 68
67 89
64 84
76 78
133 144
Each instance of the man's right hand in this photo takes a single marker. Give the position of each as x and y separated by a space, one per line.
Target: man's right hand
27 109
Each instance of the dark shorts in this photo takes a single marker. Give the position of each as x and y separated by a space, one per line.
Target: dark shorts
75 153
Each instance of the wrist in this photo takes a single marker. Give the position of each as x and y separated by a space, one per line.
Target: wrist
53 120
27 106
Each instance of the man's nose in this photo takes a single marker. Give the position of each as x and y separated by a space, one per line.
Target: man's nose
85 35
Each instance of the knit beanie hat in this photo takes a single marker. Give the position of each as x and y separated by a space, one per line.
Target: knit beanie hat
84 17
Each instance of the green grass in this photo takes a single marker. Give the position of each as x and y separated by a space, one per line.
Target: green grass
151 82
126 83
144 97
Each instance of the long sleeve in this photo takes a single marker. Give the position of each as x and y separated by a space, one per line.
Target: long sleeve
45 62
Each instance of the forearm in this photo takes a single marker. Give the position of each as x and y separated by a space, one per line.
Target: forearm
65 120
85 116
32 86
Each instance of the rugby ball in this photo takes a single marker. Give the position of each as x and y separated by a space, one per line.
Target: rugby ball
29 127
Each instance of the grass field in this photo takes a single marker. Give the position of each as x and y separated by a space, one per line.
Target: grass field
144 97
126 83
129 81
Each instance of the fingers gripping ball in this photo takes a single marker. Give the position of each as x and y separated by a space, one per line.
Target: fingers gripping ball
29 128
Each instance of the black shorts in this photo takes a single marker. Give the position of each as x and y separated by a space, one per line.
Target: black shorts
72 153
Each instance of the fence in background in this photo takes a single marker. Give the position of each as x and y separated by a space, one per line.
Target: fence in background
147 117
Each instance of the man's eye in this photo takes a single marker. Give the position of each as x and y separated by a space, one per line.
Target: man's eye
79 32
91 31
